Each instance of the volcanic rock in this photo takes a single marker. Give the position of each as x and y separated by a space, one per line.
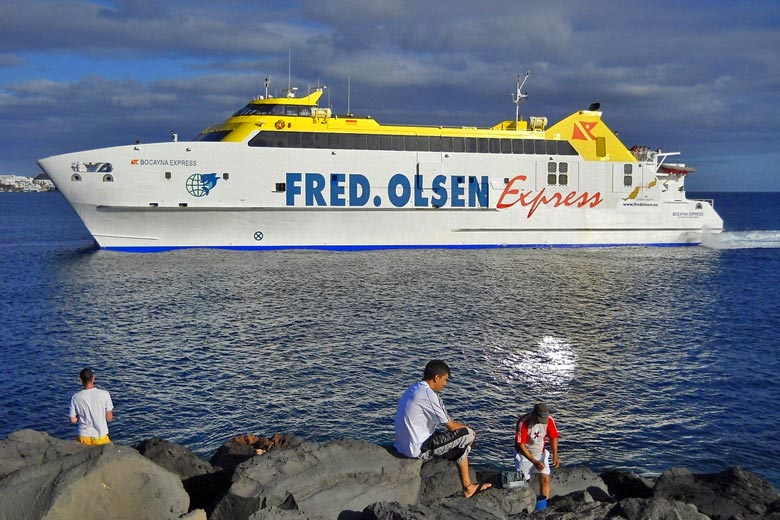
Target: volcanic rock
320 479
100 482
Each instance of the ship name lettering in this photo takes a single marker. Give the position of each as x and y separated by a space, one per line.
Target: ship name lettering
532 200
166 162
354 190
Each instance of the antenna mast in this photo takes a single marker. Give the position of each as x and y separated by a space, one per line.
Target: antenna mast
349 94
519 97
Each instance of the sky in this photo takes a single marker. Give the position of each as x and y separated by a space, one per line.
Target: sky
699 77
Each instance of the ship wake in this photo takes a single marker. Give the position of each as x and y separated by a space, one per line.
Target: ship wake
766 239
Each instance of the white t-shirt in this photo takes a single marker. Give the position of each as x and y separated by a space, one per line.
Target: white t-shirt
91 406
420 411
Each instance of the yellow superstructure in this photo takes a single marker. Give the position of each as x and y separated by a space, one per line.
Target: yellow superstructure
585 131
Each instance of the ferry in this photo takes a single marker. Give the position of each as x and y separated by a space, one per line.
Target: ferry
284 173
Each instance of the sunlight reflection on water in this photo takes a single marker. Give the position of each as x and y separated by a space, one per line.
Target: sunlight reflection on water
551 363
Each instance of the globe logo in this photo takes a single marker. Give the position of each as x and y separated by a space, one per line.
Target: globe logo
199 185
195 186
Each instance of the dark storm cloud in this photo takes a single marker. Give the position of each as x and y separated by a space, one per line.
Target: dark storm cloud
700 76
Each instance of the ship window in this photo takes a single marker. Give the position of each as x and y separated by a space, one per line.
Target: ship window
255 110
75 177
278 110
294 139
565 148
307 140
506 146
305 111
528 146
385 142
495 145
108 178
517 146
225 176
563 173
168 175
482 145
320 140
435 143
447 144
540 147
372 142
360 141
212 136
419 143
628 175
458 144
552 169
261 139
552 147
471 144
398 143
348 141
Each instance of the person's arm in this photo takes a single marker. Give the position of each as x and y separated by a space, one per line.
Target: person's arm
525 452
554 448
72 414
109 415
453 425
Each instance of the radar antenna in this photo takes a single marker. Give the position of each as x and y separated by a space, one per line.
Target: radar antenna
519 97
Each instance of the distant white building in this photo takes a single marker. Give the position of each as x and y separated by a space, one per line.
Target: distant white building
21 183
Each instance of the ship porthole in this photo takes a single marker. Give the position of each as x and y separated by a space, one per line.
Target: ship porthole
698 205
108 178
75 177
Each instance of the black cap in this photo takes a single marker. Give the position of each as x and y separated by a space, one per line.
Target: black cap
541 413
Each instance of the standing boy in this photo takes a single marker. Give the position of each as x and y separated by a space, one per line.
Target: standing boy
92 409
531 455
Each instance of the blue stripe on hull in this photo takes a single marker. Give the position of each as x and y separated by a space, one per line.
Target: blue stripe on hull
159 249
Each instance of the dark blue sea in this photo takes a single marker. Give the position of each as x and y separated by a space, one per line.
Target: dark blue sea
649 357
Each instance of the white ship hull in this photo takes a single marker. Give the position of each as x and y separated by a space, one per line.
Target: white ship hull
154 197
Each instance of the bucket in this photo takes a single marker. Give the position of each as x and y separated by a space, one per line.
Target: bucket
541 503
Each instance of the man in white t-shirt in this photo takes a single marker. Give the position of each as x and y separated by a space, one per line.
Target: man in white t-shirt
420 411
92 410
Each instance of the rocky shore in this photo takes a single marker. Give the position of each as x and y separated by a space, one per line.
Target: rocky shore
283 477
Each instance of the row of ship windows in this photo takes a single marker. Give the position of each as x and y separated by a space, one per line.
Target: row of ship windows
413 143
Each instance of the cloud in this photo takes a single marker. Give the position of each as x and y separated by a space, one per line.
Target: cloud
700 76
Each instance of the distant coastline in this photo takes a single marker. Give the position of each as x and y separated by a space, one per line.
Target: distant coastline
18 183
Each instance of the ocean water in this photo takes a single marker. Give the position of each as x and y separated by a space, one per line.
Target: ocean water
649 357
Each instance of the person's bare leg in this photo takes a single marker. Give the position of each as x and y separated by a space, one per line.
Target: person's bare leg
468 488
544 485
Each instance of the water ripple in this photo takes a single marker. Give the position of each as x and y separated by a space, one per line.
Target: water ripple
648 357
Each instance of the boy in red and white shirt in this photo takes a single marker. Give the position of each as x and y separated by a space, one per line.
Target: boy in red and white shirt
531 455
